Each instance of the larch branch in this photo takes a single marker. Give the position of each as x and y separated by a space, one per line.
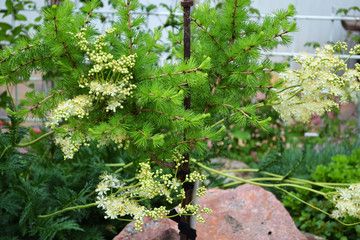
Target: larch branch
13 53
69 55
162 163
203 27
251 46
177 73
87 17
36 106
29 62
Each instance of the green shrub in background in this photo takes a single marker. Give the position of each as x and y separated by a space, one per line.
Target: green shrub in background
341 168
40 180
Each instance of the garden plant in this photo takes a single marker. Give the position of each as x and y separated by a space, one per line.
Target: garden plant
153 120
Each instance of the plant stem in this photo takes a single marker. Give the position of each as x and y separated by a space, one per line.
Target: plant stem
299 180
125 166
5 150
35 141
240 180
115 164
68 209
319 209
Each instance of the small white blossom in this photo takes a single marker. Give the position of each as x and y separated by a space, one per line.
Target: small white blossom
347 202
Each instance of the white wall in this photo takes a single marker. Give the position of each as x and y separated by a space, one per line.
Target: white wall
320 31
312 30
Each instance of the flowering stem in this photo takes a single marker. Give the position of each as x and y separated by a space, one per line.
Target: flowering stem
240 180
35 141
320 184
299 85
5 150
115 164
11 97
127 187
319 209
68 209
230 176
123 219
125 166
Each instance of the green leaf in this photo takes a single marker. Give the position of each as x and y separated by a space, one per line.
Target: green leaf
16 31
254 11
9 5
38 19
31 85
19 6
150 7
20 17
5 26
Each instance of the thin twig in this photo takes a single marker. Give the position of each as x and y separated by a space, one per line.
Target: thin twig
177 73
87 17
29 62
56 28
190 141
163 163
151 138
69 55
13 53
203 27
213 90
37 105
252 72
244 86
237 109
162 113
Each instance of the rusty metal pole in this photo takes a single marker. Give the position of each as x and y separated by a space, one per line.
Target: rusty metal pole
185 168
187 34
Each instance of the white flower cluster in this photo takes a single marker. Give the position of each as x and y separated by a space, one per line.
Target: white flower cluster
108 82
79 107
109 79
306 92
150 187
347 202
119 200
68 145
195 211
121 140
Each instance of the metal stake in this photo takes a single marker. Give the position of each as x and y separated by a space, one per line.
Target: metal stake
185 168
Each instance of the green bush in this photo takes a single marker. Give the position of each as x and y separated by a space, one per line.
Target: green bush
40 181
342 168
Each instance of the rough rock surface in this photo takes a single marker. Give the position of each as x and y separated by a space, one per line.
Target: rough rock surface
164 229
246 213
